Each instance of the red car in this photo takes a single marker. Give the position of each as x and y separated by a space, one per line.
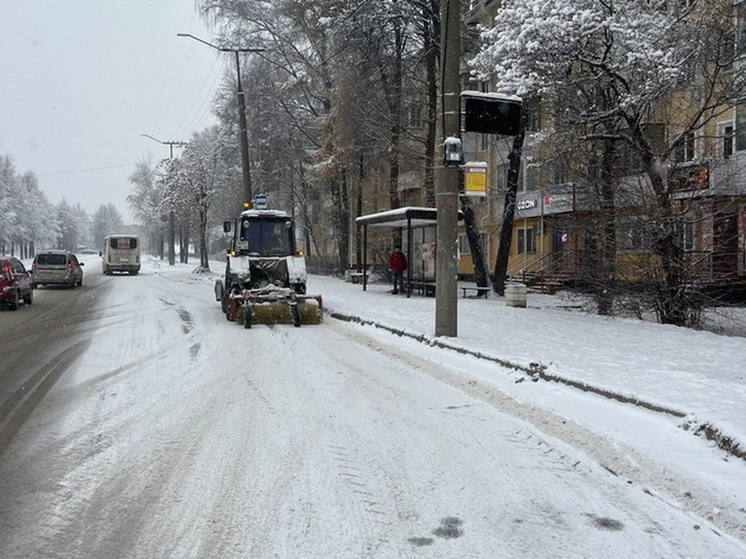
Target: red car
15 283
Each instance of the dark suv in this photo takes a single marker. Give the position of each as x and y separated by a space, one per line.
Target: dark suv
15 283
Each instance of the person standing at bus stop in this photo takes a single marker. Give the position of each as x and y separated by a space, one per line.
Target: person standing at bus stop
398 263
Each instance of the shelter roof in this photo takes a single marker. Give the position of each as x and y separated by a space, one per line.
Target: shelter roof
411 216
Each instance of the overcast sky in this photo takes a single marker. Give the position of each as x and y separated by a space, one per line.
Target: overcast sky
80 81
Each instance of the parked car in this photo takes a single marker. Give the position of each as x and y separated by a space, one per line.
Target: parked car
15 283
56 267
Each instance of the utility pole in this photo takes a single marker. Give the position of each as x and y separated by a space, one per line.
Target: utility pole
447 175
171 217
244 139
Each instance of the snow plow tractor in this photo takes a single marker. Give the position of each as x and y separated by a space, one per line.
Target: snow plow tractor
265 276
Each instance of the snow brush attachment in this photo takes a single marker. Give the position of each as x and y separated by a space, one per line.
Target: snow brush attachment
273 305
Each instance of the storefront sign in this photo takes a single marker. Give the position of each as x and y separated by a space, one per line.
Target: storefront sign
526 205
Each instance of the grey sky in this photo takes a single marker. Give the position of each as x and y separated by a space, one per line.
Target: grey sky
81 80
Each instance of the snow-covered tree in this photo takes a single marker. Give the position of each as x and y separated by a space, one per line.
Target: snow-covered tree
69 219
106 221
8 185
203 173
291 99
144 201
36 216
609 70
329 104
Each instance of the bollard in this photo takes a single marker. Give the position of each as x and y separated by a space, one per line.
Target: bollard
515 295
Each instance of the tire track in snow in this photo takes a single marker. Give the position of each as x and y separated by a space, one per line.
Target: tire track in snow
16 410
389 482
621 461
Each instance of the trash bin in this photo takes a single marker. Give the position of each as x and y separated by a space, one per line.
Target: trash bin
515 295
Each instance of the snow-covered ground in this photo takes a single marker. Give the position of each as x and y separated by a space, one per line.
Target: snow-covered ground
179 434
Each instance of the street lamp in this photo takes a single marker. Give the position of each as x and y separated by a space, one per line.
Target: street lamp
241 109
171 217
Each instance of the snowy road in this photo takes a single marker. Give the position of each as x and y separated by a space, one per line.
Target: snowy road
177 434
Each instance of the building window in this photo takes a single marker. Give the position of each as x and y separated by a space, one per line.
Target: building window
463 245
532 110
527 175
684 151
740 32
741 126
632 236
415 116
464 248
559 172
526 241
522 186
726 139
727 51
686 233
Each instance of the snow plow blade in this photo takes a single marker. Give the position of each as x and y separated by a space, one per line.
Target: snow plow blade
275 306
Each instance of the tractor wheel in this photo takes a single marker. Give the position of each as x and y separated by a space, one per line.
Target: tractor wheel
224 306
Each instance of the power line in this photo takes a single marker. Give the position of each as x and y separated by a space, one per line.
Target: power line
181 129
70 172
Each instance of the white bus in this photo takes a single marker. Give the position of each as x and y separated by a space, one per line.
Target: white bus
121 254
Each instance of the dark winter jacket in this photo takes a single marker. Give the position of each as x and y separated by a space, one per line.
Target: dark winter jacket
397 261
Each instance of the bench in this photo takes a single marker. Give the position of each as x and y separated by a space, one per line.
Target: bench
478 291
426 288
353 276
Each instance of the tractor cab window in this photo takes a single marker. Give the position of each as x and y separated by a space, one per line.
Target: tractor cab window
266 237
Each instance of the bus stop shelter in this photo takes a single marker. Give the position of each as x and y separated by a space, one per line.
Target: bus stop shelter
407 219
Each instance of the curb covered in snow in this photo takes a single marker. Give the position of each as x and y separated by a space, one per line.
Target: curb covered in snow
537 371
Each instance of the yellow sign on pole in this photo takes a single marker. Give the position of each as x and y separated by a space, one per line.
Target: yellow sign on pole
475 178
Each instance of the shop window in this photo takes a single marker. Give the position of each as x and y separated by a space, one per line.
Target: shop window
526 241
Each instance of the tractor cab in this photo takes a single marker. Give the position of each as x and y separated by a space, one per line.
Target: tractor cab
264 233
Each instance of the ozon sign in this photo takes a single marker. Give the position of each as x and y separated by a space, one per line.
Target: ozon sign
526 205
